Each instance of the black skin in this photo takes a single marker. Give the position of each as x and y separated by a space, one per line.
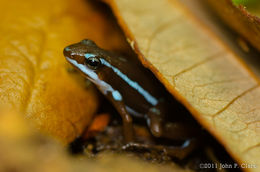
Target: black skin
107 66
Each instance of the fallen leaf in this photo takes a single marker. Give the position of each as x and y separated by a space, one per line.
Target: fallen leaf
240 19
199 70
33 72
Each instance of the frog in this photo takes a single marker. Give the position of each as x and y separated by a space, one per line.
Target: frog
132 90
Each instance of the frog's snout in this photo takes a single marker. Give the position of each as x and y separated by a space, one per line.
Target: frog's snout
67 52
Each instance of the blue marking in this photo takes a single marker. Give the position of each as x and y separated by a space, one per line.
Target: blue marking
92 76
87 55
133 84
67 49
133 112
186 143
116 95
155 110
85 41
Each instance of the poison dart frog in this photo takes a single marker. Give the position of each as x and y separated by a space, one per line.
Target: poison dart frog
132 90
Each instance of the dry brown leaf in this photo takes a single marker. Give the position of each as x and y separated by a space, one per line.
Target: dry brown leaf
34 79
237 17
219 90
33 71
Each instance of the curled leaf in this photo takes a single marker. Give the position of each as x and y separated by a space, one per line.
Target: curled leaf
198 69
33 72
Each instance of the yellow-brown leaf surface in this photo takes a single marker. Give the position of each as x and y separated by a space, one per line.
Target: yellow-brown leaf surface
33 72
198 70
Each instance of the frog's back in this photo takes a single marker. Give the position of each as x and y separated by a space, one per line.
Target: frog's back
139 88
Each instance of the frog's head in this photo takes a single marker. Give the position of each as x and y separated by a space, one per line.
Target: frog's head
87 57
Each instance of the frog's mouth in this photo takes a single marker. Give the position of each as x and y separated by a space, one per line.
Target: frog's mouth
67 52
91 75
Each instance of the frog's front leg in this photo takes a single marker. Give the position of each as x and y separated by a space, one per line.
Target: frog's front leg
126 118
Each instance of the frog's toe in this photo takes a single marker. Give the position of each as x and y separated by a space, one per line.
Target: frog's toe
156 130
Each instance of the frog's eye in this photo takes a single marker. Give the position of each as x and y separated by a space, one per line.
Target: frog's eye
93 62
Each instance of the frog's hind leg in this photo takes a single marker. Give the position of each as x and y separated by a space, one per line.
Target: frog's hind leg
179 130
179 152
170 130
154 122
